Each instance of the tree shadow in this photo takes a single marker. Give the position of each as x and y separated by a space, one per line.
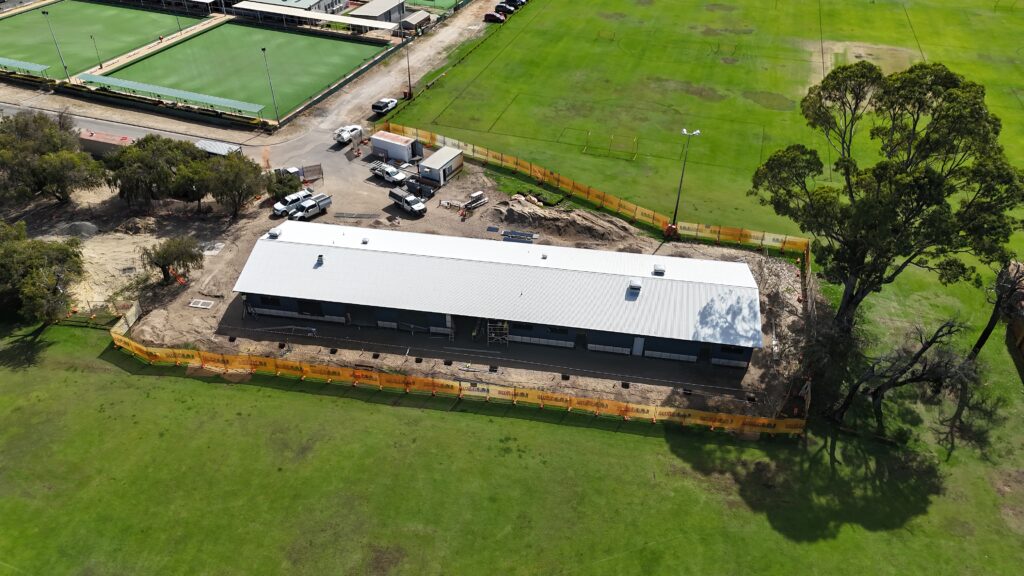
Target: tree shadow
810 489
21 351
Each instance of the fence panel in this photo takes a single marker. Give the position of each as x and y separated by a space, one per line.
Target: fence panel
528 396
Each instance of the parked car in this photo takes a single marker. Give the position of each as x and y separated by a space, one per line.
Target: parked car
408 202
346 134
504 9
312 207
517 4
388 172
384 105
291 201
494 17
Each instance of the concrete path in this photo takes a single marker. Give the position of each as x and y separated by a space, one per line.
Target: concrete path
158 44
26 6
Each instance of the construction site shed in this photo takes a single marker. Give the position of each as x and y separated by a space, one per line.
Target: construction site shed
394 147
669 308
440 166
415 20
382 10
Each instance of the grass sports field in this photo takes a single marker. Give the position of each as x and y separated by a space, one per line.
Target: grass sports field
116 30
559 75
108 466
226 61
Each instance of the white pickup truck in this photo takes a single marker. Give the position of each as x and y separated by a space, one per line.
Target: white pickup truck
384 105
388 172
407 202
312 207
292 201
347 134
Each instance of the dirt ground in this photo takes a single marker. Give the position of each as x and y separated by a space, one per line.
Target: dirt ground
172 322
889 58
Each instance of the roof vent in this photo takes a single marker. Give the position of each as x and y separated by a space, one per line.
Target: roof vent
274 233
659 270
319 260
543 256
366 241
634 284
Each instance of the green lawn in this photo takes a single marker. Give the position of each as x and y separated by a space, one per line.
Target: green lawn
108 466
558 75
443 4
227 62
116 30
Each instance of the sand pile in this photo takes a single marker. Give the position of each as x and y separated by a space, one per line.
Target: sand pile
522 215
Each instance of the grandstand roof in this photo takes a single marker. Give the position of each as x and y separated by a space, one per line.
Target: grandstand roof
298 4
697 300
296 13
375 8
194 98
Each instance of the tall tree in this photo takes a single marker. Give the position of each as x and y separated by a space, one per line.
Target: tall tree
235 181
1006 297
40 154
65 171
35 275
192 182
941 187
146 170
178 255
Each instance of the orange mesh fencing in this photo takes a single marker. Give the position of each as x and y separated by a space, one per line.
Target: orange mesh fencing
629 210
489 392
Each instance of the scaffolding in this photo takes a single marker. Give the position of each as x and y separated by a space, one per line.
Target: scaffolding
497 332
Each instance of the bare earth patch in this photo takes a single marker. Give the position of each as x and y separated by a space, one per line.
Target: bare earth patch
1009 485
889 58
715 7
709 31
672 85
770 100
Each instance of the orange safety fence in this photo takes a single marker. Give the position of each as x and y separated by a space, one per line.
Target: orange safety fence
362 377
625 209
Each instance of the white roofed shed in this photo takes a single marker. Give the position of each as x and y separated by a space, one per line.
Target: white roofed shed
682 299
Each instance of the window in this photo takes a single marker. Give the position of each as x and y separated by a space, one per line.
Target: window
270 300
733 349
557 330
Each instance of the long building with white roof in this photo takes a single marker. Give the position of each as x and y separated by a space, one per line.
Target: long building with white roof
636 304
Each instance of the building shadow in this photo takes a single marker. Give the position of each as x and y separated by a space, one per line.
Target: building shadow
808 490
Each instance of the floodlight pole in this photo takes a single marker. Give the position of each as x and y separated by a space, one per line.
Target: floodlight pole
46 14
408 68
178 22
99 61
271 82
686 152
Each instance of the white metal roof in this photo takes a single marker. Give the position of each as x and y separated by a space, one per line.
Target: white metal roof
393 138
438 159
219 148
296 13
299 4
699 300
375 8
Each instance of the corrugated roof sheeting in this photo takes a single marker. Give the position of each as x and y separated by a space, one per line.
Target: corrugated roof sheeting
699 300
438 159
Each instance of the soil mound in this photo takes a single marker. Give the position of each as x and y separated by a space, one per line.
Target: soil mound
581 224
